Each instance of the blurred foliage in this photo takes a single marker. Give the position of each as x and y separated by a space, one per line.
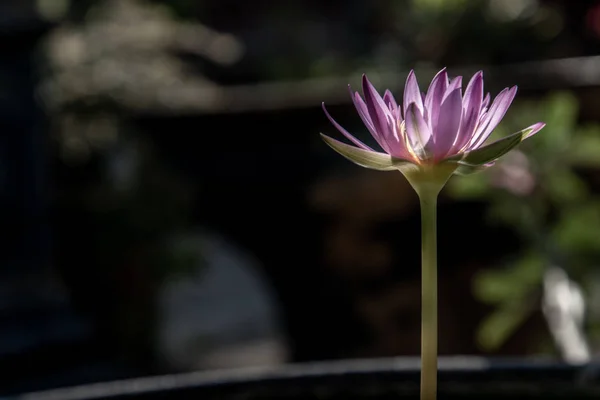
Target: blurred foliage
542 192
542 195
513 294
298 40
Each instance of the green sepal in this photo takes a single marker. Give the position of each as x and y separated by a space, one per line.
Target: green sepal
464 169
497 149
368 159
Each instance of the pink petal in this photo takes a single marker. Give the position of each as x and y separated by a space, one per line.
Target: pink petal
454 84
434 96
485 103
417 130
474 94
535 129
345 132
412 94
482 116
449 122
495 114
395 142
361 108
378 111
465 132
388 99
398 145
472 108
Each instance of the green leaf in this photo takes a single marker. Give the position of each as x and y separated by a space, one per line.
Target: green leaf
367 159
494 150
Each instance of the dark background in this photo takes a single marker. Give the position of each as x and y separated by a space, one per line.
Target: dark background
146 144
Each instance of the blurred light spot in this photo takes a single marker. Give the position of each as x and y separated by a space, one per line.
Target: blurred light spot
550 22
66 48
225 49
439 5
510 10
514 175
74 149
52 10
593 20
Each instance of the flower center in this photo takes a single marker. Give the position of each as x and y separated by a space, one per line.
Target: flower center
407 144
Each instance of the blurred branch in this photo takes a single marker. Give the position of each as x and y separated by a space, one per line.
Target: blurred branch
200 96
124 54
538 75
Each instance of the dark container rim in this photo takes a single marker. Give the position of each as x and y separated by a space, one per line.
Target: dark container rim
516 374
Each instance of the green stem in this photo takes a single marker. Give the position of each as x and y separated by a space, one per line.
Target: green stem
428 181
429 340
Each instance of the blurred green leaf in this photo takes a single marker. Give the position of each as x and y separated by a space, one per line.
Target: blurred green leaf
578 228
499 286
470 187
564 186
523 215
585 149
502 323
511 291
560 112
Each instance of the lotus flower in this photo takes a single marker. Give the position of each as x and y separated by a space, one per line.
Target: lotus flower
441 127
429 138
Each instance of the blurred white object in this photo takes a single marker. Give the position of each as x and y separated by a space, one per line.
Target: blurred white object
563 305
223 316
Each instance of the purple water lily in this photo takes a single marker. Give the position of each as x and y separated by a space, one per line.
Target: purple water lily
429 138
441 126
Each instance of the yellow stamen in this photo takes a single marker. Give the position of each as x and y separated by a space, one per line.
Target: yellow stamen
402 128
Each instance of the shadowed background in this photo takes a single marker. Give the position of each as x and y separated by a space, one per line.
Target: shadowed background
167 204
